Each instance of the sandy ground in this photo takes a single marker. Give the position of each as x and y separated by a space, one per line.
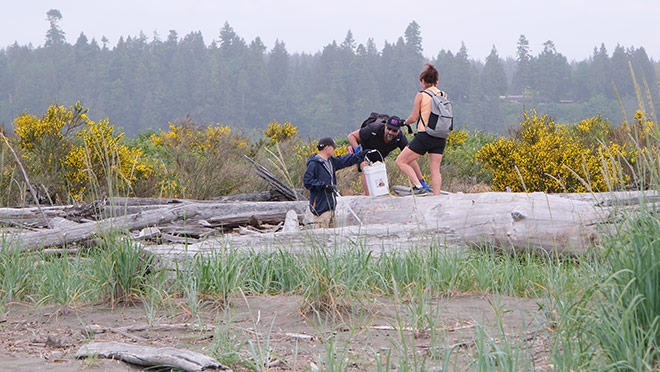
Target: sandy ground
47 338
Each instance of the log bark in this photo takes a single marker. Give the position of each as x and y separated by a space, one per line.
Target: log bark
151 356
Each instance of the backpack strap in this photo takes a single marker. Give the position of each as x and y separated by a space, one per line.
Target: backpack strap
420 108
442 93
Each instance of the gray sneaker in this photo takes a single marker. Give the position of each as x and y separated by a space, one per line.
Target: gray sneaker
420 191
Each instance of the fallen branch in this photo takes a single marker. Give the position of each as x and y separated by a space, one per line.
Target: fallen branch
151 356
34 194
96 329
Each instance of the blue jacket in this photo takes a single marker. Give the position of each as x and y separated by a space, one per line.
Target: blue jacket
318 175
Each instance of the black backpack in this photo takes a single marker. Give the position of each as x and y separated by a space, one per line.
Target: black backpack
375 117
380 118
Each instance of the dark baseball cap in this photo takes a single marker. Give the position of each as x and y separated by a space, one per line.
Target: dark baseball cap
326 141
394 123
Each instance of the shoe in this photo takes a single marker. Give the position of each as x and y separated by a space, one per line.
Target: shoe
420 191
424 185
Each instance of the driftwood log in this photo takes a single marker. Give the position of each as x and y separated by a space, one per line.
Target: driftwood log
151 356
534 221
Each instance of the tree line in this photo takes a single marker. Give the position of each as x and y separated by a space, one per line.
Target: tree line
143 83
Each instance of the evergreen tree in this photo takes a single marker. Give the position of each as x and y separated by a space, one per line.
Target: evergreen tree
413 36
54 35
621 72
522 77
493 78
551 74
600 81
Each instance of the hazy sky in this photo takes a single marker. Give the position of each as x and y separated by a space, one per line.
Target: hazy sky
574 26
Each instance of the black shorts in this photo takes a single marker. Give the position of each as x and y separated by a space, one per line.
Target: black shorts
423 143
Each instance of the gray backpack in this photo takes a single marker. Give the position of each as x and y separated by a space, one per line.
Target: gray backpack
441 120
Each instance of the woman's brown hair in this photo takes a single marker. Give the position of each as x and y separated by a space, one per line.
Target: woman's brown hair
429 75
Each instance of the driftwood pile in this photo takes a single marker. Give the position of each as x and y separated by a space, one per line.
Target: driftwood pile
158 220
565 224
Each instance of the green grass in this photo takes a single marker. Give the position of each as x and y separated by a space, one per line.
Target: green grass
600 312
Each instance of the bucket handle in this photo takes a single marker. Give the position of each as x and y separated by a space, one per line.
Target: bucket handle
372 151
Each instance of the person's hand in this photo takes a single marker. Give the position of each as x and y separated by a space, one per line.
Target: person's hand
357 149
330 188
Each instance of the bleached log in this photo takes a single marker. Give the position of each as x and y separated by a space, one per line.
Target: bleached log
151 356
56 237
535 221
96 329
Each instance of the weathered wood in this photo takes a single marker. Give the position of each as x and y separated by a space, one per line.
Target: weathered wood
56 237
151 356
534 221
564 223
273 181
133 202
247 219
271 195
96 329
291 222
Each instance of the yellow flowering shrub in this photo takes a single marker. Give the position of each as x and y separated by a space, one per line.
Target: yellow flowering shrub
457 137
640 146
71 157
200 161
43 142
277 132
544 156
58 123
103 162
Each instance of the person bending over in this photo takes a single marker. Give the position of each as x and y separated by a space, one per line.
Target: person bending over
384 137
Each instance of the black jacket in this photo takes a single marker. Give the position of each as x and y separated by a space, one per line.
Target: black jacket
318 174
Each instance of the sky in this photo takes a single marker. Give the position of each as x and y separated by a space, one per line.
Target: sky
575 26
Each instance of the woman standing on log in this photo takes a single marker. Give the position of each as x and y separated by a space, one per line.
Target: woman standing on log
423 142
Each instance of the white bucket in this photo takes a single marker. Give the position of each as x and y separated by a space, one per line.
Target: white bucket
376 177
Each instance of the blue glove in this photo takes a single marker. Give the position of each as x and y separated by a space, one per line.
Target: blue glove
424 185
357 149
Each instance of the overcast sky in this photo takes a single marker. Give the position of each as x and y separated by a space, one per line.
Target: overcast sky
575 26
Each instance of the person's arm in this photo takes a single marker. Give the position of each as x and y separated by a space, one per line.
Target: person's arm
310 179
354 138
347 160
416 108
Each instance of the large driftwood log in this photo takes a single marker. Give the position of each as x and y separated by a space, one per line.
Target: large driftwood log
151 356
535 221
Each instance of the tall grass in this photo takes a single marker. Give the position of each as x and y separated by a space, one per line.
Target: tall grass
119 269
626 322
